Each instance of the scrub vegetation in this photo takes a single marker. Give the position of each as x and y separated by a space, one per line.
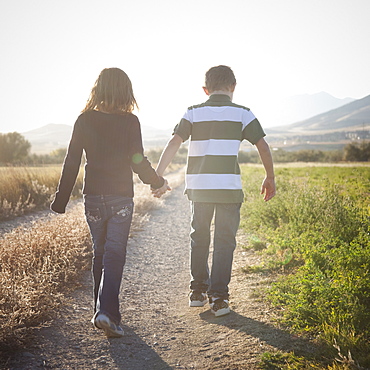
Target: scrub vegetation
41 263
38 266
315 235
312 238
26 189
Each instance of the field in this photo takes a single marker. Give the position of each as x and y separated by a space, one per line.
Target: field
313 238
25 189
38 265
315 235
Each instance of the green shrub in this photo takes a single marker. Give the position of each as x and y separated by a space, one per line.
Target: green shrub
317 230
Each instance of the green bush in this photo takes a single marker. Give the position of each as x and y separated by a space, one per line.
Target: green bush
356 152
180 157
317 230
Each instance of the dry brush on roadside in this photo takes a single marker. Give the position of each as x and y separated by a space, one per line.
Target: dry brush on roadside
41 262
27 189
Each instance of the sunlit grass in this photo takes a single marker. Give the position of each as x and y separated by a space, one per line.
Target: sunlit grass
42 262
316 233
38 265
25 189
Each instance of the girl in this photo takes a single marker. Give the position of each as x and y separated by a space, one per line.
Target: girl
110 136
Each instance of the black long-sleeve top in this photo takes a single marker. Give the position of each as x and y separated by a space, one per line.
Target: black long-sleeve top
113 148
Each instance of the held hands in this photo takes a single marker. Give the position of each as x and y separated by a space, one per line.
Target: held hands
157 193
268 188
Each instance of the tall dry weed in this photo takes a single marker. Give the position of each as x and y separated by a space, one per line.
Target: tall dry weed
25 189
38 264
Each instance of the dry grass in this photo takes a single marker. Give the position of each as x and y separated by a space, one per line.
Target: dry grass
40 263
145 202
25 189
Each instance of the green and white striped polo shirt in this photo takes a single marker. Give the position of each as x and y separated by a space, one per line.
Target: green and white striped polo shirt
216 129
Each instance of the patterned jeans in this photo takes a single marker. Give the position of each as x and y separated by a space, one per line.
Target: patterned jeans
109 218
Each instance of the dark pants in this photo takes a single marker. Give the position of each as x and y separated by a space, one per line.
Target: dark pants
109 218
227 218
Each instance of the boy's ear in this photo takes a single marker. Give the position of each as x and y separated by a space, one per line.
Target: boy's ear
206 90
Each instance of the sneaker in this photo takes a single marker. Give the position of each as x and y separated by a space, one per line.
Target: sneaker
219 306
111 329
197 299
94 322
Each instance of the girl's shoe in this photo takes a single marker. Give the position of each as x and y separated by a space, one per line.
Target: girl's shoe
111 329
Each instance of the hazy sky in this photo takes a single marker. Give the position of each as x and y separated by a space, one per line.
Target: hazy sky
52 52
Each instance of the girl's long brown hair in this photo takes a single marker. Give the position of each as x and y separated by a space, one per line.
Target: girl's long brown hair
112 93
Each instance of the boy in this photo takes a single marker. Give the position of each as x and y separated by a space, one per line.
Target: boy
213 184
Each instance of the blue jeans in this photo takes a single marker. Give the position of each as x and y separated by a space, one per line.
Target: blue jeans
227 218
109 218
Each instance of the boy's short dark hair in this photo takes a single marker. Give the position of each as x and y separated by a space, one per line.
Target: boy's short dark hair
219 78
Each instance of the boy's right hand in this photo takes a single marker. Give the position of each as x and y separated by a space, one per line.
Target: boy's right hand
268 188
157 193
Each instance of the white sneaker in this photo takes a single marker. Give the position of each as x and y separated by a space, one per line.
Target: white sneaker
197 299
219 306
111 329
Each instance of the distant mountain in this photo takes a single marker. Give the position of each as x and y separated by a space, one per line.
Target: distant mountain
300 107
54 136
348 117
344 124
48 138
335 127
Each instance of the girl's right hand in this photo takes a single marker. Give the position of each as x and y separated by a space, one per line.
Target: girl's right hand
157 193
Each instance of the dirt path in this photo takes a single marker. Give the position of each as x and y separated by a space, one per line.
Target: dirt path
161 331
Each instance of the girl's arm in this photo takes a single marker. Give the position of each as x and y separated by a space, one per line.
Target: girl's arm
70 171
139 163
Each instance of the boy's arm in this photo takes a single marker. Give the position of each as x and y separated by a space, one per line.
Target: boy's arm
168 153
268 185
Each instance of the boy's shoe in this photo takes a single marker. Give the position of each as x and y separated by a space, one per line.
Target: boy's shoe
219 306
197 299
111 329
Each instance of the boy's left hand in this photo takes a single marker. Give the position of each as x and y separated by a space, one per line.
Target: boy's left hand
268 188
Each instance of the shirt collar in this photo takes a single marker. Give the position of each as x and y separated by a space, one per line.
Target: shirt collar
219 98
